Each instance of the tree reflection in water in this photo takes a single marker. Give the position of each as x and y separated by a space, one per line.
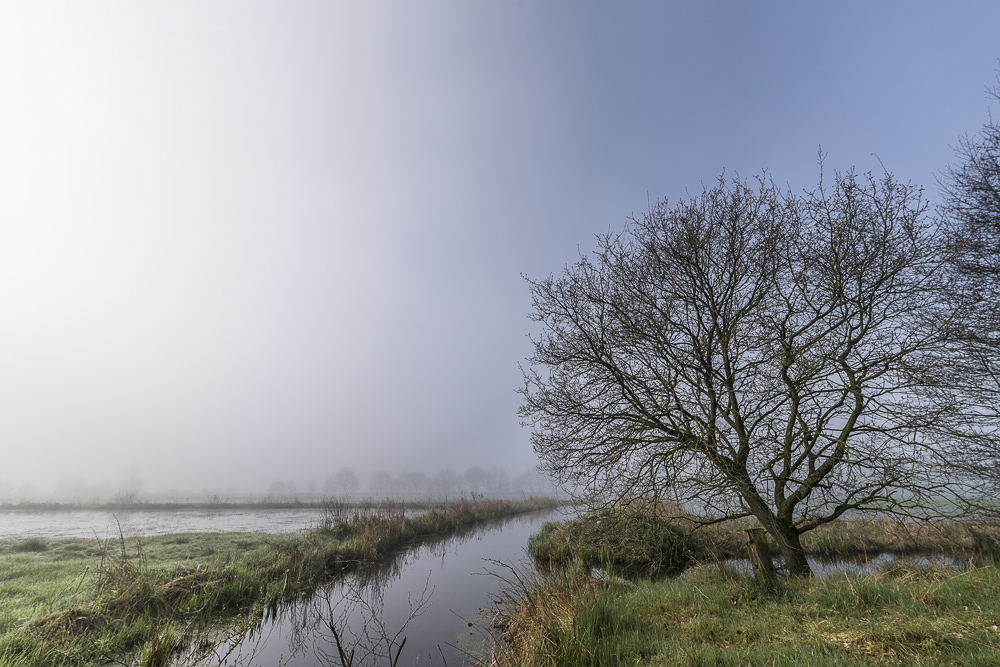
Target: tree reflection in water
350 622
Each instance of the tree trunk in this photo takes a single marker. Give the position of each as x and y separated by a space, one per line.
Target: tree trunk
791 550
784 534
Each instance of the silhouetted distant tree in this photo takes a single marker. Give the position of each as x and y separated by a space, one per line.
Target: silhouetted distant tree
412 482
444 482
343 482
497 481
475 479
762 354
381 482
280 489
531 482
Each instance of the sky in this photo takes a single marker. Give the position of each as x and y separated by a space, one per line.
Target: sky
258 241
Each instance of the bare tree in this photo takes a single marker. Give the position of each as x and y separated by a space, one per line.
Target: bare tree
381 482
280 489
344 482
971 194
413 481
444 481
971 191
497 481
758 353
475 479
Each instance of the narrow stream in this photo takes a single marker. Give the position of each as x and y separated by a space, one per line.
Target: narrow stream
433 595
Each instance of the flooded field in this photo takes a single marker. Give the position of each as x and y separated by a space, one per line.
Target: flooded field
143 523
428 605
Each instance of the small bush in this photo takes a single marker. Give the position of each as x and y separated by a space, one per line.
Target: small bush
635 542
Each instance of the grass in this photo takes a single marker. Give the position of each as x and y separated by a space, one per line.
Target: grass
82 602
630 542
901 615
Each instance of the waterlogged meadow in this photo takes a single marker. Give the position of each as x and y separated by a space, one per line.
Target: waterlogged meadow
76 601
606 588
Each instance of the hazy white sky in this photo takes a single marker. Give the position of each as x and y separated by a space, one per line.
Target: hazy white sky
248 241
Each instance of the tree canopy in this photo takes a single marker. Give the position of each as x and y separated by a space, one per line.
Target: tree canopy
971 194
760 353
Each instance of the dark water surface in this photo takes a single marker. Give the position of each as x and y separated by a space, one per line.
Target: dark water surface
429 595
859 564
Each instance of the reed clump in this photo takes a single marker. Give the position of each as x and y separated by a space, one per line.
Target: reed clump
533 606
635 542
865 536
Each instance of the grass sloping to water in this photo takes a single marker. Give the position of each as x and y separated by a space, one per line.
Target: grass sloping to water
903 615
79 602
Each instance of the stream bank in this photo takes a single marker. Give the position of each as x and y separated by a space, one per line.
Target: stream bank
129 602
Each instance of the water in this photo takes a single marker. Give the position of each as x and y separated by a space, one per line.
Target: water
860 564
436 596
143 523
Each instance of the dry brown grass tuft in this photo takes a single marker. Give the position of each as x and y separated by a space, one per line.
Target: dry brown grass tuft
184 586
902 572
898 536
531 605
61 627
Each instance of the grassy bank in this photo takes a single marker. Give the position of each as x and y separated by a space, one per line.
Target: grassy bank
902 615
80 602
630 542
650 543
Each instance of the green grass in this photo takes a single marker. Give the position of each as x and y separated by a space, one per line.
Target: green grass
902 615
83 602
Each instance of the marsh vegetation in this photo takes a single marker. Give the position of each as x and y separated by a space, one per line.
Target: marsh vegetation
651 541
132 601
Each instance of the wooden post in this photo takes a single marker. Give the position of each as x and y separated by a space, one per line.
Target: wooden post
760 557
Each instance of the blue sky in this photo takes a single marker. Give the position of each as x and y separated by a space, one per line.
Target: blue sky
242 242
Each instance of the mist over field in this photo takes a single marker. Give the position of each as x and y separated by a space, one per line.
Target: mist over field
244 247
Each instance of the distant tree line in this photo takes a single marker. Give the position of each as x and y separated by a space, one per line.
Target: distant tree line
444 482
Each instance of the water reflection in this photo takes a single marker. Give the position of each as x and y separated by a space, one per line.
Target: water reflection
427 606
422 607
858 564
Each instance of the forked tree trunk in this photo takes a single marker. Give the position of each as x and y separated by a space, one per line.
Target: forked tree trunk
791 550
784 535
